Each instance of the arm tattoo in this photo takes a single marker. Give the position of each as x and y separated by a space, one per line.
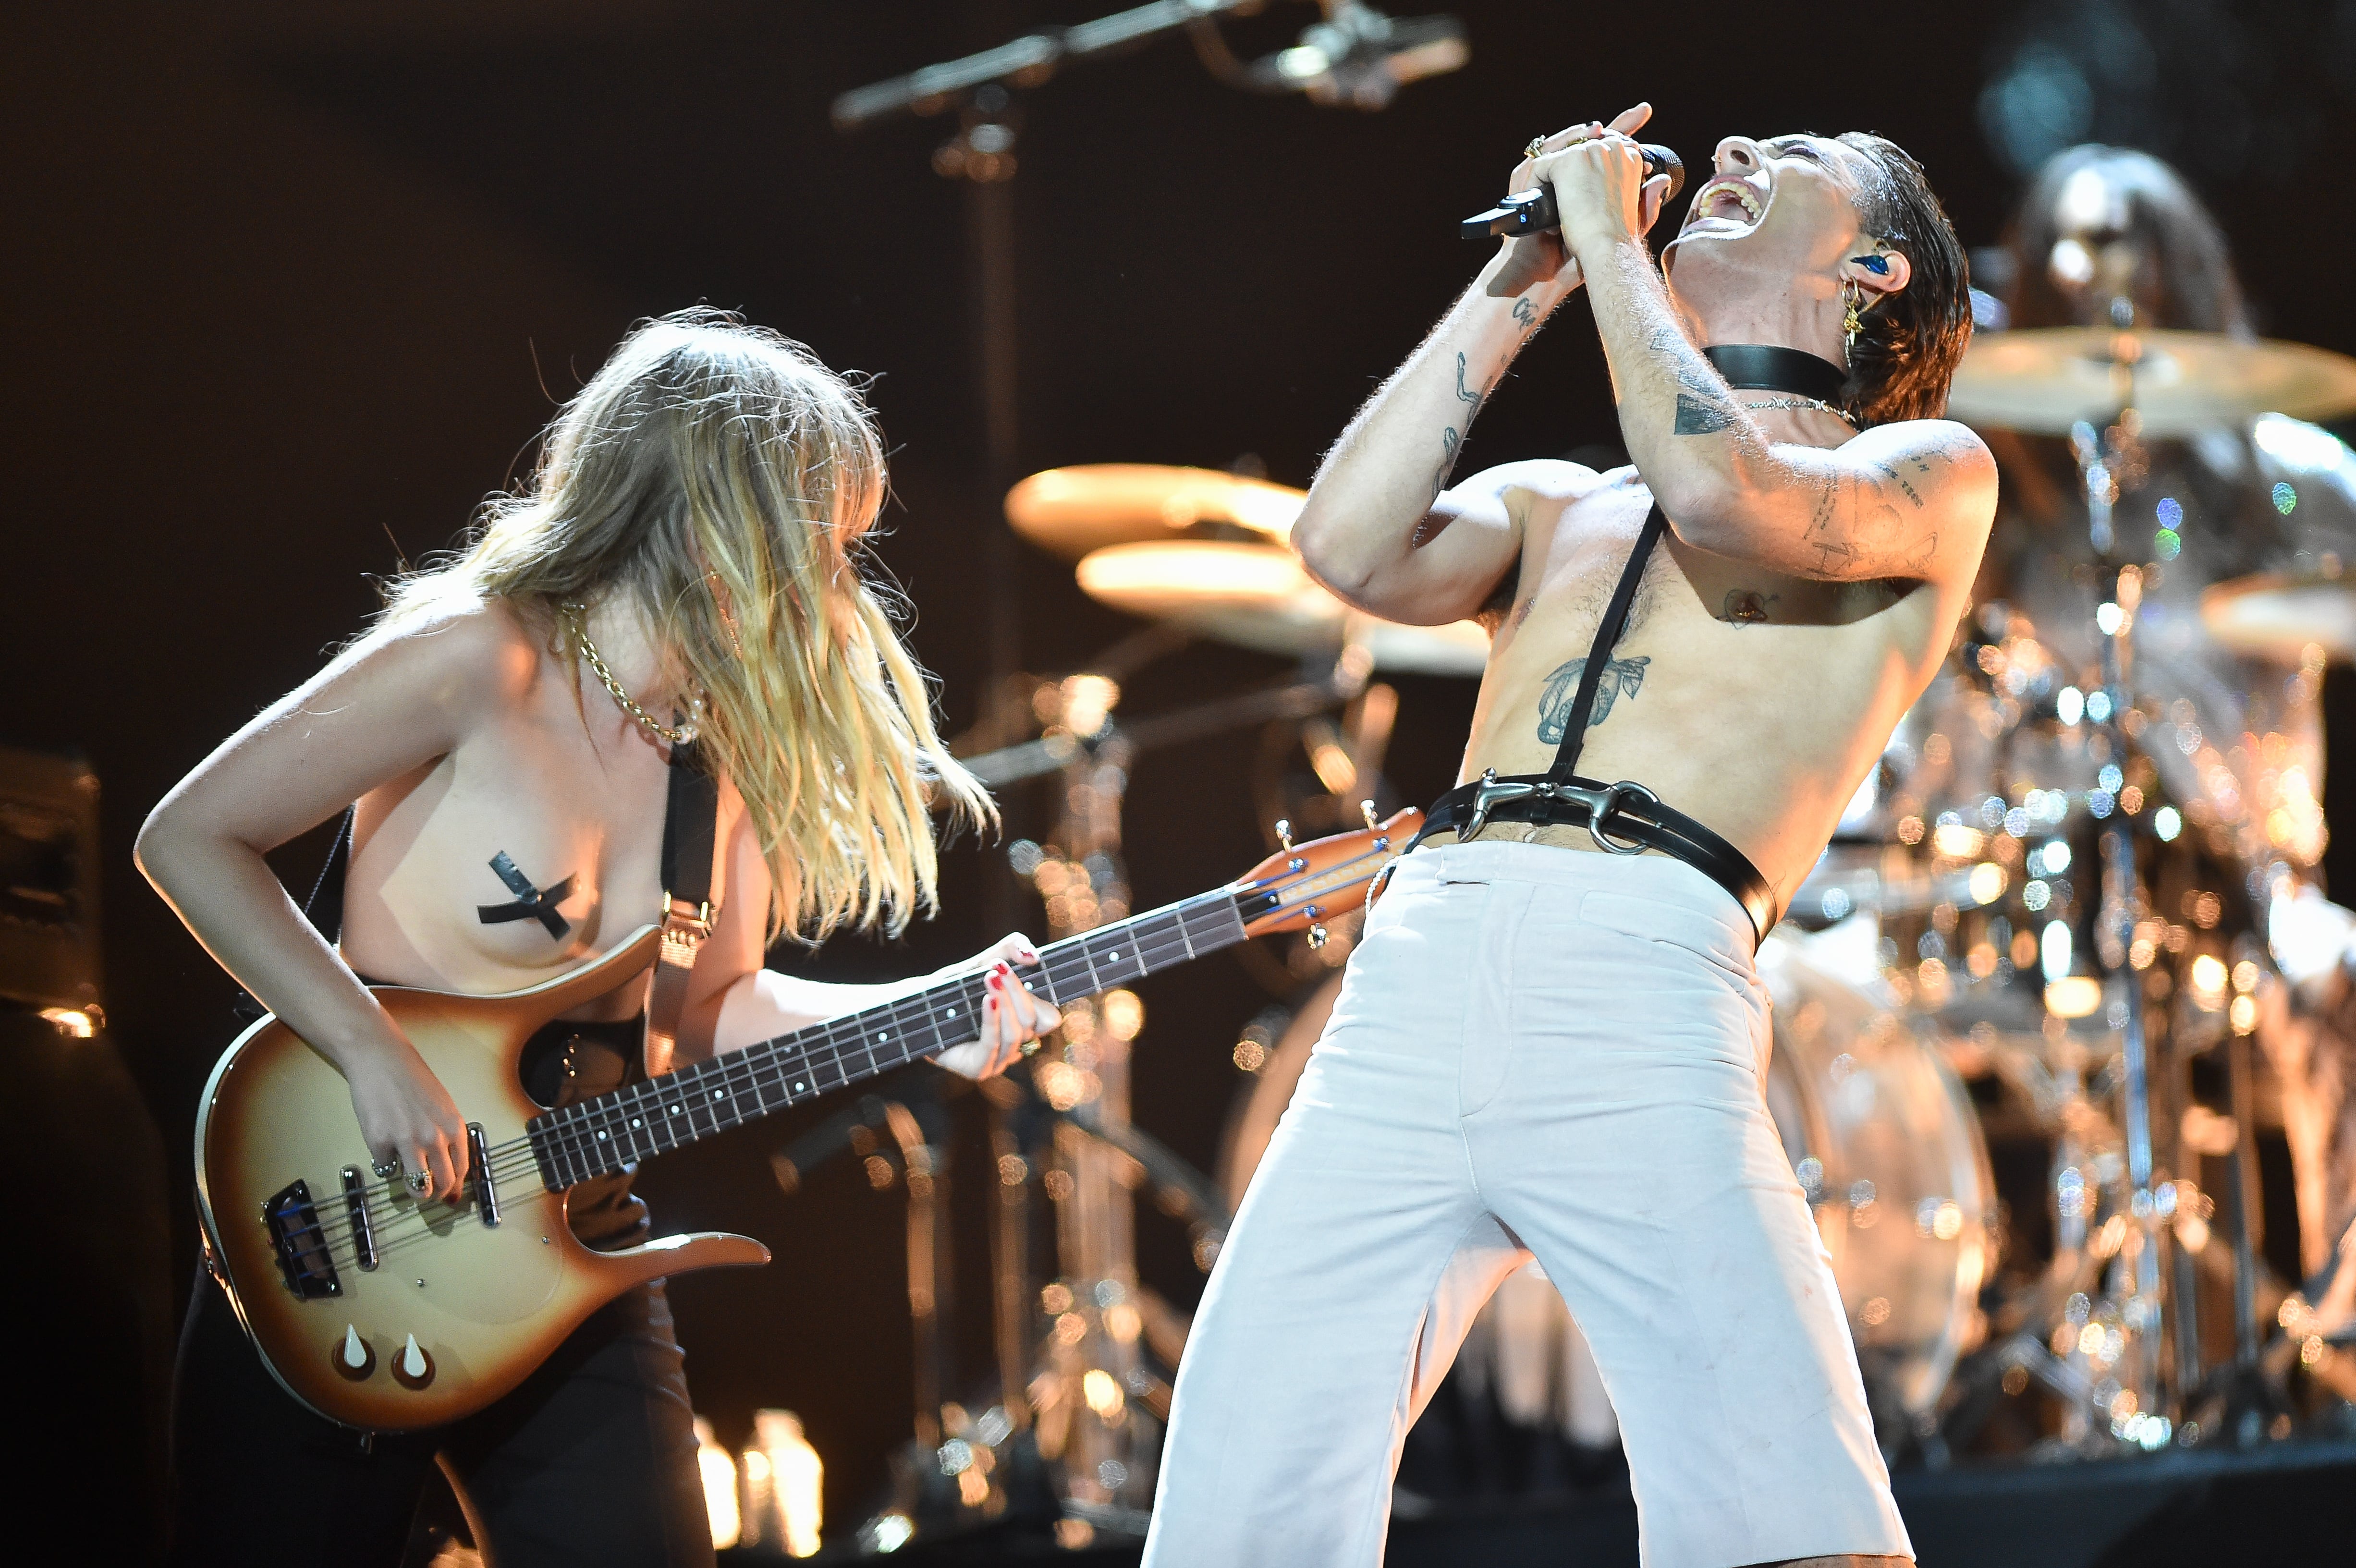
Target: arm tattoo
1697 418
1526 313
1620 679
1701 410
1450 437
1745 606
1448 442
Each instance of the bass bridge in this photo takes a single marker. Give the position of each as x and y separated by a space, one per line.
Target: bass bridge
299 1244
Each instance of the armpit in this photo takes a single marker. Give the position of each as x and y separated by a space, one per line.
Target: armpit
1500 602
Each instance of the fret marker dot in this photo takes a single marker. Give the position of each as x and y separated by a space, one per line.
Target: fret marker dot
601 1132
797 1088
635 1123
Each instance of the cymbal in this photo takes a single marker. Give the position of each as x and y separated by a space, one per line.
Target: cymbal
2042 380
2276 614
1257 596
1071 511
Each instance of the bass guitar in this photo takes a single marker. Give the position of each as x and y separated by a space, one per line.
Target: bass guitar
386 1312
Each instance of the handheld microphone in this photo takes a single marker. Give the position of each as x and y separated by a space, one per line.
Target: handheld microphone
1533 211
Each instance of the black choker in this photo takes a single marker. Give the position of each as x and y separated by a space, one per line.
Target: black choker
1757 367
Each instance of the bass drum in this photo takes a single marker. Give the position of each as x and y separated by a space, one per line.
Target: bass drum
1888 1148
1884 1141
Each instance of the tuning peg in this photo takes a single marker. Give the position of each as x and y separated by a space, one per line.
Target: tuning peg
1366 810
1284 833
1316 936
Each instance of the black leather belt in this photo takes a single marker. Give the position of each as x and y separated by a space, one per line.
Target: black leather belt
1623 819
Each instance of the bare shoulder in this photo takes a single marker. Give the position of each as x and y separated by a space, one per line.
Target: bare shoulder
466 653
1944 452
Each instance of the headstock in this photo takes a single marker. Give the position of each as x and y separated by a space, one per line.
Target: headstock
1302 886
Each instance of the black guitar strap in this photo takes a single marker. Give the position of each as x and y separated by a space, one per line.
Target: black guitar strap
691 827
1607 633
325 908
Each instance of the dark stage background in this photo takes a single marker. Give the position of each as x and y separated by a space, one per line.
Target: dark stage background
290 287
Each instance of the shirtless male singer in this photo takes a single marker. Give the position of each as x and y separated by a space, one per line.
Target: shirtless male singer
1551 1040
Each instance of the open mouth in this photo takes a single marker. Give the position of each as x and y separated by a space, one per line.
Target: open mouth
1740 202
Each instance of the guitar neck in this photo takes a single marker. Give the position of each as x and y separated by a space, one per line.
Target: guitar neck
603 1135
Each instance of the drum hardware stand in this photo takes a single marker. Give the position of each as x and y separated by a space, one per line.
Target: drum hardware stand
2151 1316
983 155
2121 897
929 1495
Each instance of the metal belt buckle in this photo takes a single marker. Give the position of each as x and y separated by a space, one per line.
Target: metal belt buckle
1490 793
1605 804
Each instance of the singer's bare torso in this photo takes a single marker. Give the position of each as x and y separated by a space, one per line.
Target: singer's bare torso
1749 700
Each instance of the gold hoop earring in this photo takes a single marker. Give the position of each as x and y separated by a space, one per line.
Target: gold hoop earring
1852 296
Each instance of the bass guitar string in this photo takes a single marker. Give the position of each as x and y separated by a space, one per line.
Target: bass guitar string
1061 967
573 1131
1061 964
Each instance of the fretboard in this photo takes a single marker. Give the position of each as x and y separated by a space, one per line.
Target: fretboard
593 1136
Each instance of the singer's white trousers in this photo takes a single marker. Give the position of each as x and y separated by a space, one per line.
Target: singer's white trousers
1535 1051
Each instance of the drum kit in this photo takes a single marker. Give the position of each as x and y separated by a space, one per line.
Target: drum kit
2044 906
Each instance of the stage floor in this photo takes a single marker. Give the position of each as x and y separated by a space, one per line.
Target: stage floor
2283 1502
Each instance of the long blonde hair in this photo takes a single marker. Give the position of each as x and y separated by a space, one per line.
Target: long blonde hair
717 479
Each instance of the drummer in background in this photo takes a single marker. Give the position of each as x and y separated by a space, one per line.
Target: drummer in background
2109 236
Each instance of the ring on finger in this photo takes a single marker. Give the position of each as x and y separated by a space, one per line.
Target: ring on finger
387 1168
419 1180
1031 1046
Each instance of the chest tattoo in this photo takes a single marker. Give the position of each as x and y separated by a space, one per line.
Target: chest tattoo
530 902
1745 606
1620 679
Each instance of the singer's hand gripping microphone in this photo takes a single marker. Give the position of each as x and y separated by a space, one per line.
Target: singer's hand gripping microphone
1531 211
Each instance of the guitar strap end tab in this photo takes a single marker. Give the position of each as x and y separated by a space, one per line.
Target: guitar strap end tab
686 928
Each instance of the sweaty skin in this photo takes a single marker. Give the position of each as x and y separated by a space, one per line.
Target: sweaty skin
1811 578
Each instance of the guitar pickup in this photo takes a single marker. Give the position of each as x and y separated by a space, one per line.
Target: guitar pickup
356 1210
478 1162
293 1220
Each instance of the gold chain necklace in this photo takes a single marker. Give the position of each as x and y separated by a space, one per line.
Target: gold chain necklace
679 735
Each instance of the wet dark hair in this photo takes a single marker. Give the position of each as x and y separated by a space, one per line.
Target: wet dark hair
1905 356
2185 275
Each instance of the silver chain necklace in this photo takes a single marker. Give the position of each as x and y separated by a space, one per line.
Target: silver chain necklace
1795 403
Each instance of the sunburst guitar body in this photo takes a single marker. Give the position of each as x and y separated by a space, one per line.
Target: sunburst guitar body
386 1312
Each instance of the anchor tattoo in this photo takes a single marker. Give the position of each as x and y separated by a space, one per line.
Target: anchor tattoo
530 902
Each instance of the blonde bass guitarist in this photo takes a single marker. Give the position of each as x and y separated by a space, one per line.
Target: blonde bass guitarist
683 568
